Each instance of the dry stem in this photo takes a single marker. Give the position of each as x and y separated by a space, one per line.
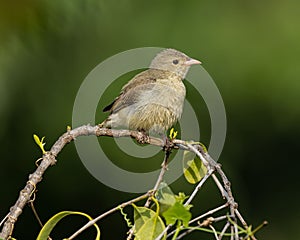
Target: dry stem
49 159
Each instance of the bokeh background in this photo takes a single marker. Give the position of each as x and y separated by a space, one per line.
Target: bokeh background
250 48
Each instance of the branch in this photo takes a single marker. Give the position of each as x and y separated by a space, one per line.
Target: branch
49 159
164 167
122 205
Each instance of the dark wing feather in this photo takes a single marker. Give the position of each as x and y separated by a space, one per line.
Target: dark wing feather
108 107
128 97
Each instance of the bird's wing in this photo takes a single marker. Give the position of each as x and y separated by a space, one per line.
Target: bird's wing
141 83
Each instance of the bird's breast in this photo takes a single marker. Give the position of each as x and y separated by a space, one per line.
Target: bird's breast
167 93
156 108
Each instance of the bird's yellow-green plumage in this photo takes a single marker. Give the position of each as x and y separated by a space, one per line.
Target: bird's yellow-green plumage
153 99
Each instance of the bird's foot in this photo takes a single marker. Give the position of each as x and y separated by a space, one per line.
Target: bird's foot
143 137
167 144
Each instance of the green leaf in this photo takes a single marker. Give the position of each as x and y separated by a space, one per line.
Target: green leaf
39 142
148 224
165 197
141 215
203 147
181 197
173 134
193 168
50 224
178 212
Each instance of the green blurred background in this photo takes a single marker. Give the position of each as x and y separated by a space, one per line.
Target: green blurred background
250 48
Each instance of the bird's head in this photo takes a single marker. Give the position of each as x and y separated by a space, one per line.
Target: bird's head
173 61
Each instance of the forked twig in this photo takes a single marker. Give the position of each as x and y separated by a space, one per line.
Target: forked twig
49 159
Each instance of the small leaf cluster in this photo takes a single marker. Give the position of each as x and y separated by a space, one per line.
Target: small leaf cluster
169 209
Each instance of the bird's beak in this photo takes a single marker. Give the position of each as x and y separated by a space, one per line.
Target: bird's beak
191 62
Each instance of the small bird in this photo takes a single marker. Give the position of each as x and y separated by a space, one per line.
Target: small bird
152 101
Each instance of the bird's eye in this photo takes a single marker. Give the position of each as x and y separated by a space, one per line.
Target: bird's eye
175 61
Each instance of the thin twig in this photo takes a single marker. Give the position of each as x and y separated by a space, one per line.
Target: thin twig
224 230
226 193
220 186
206 223
204 160
92 222
230 199
203 180
265 223
231 232
3 220
231 202
214 231
237 213
185 233
161 235
210 212
164 168
36 214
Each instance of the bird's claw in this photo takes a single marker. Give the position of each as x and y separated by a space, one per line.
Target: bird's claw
143 137
167 144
